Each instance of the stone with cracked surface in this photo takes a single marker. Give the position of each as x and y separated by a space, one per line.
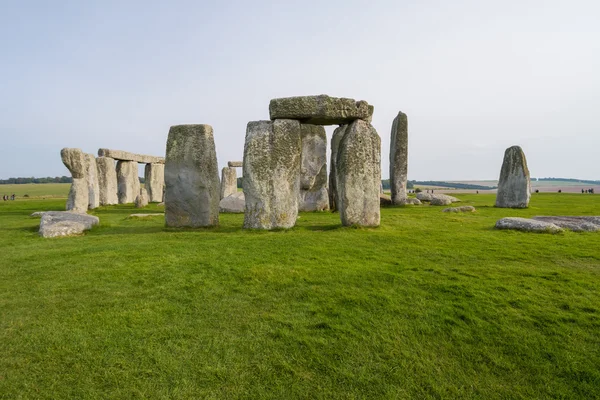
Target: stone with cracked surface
313 169
272 155
128 182
235 164
127 156
93 182
107 181
154 181
192 177
399 159
338 134
527 225
514 185
65 223
320 110
234 203
575 224
228 182
76 162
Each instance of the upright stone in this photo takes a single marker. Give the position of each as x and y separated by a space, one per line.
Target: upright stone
338 134
154 181
107 180
320 110
228 182
399 159
514 186
191 177
141 200
75 161
128 181
271 183
358 175
93 184
313 169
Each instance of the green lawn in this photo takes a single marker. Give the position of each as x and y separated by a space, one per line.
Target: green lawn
429 305
37 190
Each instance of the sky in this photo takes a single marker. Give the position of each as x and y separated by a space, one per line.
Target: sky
474 77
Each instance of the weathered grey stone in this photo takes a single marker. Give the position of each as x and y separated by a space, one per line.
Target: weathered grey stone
191 177
358 175
399 159
413 201
93 185
440 201
271 182
442 198
148 215
65 223
384 200
338 134
459 209
127 156
228 182
141 200
320 110
154 181
514 186
128 181
313 169
527 225
235 164
75 161
575 224
234 203
107 180
424 196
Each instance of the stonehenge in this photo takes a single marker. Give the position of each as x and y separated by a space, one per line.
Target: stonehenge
128 182
191 177
107 181
93 184
228 182
127 156
514 185
141 200
313 169
338 134
399 159
154 181
320 110
76 162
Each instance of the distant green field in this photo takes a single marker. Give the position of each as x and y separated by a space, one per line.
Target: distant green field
37 190
428 306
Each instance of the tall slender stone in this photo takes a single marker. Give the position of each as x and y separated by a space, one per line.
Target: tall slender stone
338 134
93 184
75 161
399 159
514 185
272 154
228 182
128 181
313 169
191 177
154 181
358 175
107 180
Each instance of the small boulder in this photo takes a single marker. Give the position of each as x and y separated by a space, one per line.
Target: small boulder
234 203
440 201
413 201
65 223
385 200
527 225
459 209
575 224
424 196
141 200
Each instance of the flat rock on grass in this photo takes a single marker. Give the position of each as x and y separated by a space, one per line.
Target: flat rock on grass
65 223
146 215
527 225
575 224
234 203
459 209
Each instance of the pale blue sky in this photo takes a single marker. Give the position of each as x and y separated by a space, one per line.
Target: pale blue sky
474 77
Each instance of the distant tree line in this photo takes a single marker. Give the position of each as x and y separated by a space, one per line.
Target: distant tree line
588 182
49 179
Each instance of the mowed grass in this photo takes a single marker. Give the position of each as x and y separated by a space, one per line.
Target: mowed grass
429 305
36 190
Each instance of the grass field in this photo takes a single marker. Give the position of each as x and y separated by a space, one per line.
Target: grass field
429 305
37 190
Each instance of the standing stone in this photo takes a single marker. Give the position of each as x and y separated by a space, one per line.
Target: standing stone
338 134
93 184
107 180
399 159
141 200
358 175
191 177
228 182
128 182
514 186
75 161
154 181
272 154
313 169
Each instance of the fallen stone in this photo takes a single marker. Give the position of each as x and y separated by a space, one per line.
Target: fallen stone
93 184
385 200
527 225
37 214
141 200
440 201
313 169
413 201
399 159
358 175
127 156
146 215
514 186
128 182
338 134
422 196
272 153
320 110
228 182
234 203
107 180
235 164
75 161
442 198
191 177
154 181
459 209
575 224
65 223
